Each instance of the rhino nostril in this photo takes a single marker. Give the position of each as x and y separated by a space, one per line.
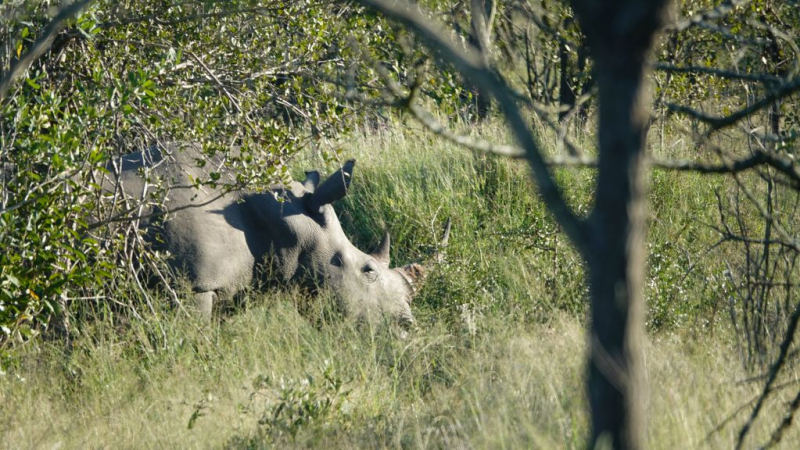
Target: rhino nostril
406 322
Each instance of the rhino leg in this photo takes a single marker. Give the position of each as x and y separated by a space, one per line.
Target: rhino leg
204 303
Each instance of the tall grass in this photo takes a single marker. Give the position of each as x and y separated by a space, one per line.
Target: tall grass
496 362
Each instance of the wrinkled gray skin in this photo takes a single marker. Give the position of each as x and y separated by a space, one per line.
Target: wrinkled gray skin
219 240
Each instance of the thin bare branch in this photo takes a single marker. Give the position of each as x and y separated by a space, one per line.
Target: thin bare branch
773 375
125 215
779 34
717 13
758 159
717 123
213 76
741 408
469 63
41 45
762 78
479 145
777 435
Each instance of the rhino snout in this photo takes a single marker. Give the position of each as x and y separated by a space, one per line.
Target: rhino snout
406 322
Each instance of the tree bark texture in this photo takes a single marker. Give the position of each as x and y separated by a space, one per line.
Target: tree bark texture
620 35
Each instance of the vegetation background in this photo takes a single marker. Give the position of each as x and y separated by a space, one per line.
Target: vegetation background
92 357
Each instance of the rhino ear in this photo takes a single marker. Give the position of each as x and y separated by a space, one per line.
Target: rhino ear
413 273
311 181
334 188
383 251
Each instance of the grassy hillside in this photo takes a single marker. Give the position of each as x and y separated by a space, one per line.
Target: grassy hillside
496 361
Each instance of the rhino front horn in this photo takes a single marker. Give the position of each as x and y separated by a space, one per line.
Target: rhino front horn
383 251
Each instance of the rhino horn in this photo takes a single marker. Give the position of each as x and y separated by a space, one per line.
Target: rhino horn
382 253
311 181
439 256
332 189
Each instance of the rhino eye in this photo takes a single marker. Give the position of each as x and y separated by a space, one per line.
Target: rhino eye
370 273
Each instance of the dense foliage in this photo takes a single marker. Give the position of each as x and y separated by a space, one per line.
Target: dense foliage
126 75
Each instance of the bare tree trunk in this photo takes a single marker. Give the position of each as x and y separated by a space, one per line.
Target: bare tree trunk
583 56
482 14
620 35
615 268
568 71
566 94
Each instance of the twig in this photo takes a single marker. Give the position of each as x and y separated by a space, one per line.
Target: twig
41 45
777 435
758 159
717 123
773 374
213 76
763 78
717 13
741 408
470 64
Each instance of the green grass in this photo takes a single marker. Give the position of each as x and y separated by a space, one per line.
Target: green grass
496 387
496 362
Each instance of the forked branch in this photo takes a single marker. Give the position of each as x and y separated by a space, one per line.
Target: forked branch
786 89
472 66
41 45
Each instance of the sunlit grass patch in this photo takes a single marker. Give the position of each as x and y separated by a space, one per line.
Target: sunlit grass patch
496 360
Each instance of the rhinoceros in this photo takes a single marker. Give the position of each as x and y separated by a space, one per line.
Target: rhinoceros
220 239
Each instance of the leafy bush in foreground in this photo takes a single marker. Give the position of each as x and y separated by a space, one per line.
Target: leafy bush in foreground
126 75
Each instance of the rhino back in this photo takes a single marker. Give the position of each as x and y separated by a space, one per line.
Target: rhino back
205 229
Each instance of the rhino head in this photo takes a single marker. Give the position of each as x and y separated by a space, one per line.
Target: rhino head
309 245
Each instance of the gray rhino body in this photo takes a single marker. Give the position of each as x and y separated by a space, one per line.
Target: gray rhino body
220 240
